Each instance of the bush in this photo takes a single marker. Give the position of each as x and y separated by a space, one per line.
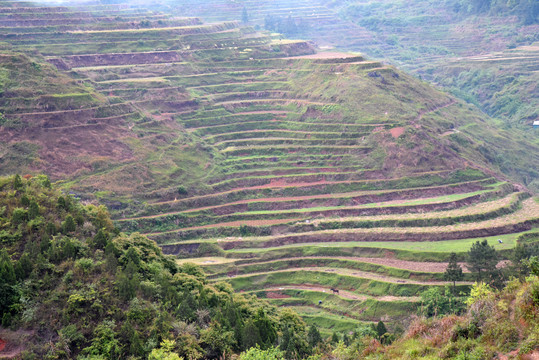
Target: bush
19 216
257 354
68 225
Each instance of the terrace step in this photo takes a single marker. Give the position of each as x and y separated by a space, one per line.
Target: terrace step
345 272
358 197
363 216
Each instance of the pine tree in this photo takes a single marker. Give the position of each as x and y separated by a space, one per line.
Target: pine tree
482 260
334 338
346 340
453 272
314 336
17 182
33 210
8 295
381 329
62 204
100 240
69 224
25 201
268 334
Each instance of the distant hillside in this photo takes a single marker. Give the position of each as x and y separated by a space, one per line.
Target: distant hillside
482 51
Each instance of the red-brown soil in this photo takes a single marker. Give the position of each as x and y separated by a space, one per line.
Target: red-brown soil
435 267
360 197
396 132
276 295
239 223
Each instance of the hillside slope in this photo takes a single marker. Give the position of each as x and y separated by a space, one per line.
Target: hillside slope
483 51
497 325
72 286
299 176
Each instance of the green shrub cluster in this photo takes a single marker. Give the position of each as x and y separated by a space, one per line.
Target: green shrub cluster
101 294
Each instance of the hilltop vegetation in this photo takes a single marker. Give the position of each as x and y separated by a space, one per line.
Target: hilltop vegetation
80 289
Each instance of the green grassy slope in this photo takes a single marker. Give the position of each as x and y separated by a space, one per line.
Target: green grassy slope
484 54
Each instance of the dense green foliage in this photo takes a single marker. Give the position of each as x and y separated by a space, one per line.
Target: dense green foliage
97 293
453 272
482 261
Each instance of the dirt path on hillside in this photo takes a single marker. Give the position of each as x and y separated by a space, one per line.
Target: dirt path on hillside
325 55
342 293
233 224
284 112
285 199
389 261
426 111
279 184
354 273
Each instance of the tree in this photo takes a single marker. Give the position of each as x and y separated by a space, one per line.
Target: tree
244 16
436 301
166 352
482 261
62 203
69 224
346 340
17 182
33 210
250 335
519 259
453 272
8 279
100 239
381 329
533 265
268 334
314 336
256 353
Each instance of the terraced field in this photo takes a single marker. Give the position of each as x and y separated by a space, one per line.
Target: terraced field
287 172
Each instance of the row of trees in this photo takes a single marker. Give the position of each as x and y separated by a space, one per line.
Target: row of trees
483 262
526 10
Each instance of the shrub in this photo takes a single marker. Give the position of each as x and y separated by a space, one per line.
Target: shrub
68 225
19 216
84 265
207 249
257 354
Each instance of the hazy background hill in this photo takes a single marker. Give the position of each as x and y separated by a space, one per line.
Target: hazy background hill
482 51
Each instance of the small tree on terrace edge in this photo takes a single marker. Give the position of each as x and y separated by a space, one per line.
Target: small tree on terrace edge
453 272
482 261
